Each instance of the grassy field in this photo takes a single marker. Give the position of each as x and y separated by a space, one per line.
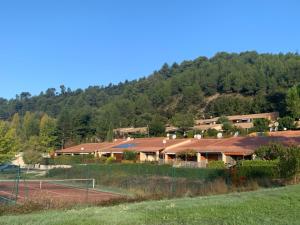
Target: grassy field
267 206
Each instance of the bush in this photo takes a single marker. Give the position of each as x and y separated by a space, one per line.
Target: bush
129 155
102 159
261 125
110 159
211 132
32 157
290 162
216 164
286 122
271 151
258 168
69 160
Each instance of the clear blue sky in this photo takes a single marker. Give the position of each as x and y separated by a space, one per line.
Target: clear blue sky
46 43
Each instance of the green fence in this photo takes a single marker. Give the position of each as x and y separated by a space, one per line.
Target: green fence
147 179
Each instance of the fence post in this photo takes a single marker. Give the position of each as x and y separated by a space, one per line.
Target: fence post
94 183
17 185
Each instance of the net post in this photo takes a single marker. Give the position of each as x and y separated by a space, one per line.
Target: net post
40 184
93 183
17 184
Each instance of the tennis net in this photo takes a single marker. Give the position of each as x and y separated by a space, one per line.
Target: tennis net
7 184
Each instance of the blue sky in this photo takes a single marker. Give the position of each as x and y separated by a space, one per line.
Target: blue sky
83 42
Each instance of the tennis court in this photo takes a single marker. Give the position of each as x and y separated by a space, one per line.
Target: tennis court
66 191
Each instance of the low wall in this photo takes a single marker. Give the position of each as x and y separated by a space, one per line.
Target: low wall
45 167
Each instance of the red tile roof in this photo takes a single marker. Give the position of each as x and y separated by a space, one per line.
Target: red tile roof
234 145
144 145
90 147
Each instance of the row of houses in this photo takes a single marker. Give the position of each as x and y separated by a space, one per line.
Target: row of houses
166 150
241 121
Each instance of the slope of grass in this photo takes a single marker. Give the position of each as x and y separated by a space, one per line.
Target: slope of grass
268 206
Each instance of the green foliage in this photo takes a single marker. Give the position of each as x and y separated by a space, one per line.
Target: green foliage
261 125
288 158
183 121
271 151
110 134
229 105
110 160
286 122
186 154
32 157
48 132
129 155
216 164
211 133
157 128
30 125
9 142
227 127
258 169
293 101
222 119
290 162
34 144
71 160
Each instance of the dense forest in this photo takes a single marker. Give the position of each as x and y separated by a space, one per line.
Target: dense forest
225 84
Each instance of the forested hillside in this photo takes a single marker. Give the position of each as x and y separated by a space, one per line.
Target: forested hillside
224 84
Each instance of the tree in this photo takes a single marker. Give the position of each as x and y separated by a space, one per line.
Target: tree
289 162
110 134
183 121
32 157
157 128
30 125
211 132
293 101
261 125
129 155
222 119
9 142
48 132
227 127
65 125
286 122
271 151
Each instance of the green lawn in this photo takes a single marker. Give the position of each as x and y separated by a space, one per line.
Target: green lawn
268 206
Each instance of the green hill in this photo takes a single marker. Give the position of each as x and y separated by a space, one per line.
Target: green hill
226 84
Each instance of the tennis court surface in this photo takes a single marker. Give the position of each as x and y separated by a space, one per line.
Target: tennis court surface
65 191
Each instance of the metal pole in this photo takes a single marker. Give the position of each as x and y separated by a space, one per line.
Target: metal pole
17 185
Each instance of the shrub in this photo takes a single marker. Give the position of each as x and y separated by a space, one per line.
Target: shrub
32 157
271 151
102 159
129 155
69 160
216 164
258 168
289 162
286 122
110 159
211 132
190 134
261 125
